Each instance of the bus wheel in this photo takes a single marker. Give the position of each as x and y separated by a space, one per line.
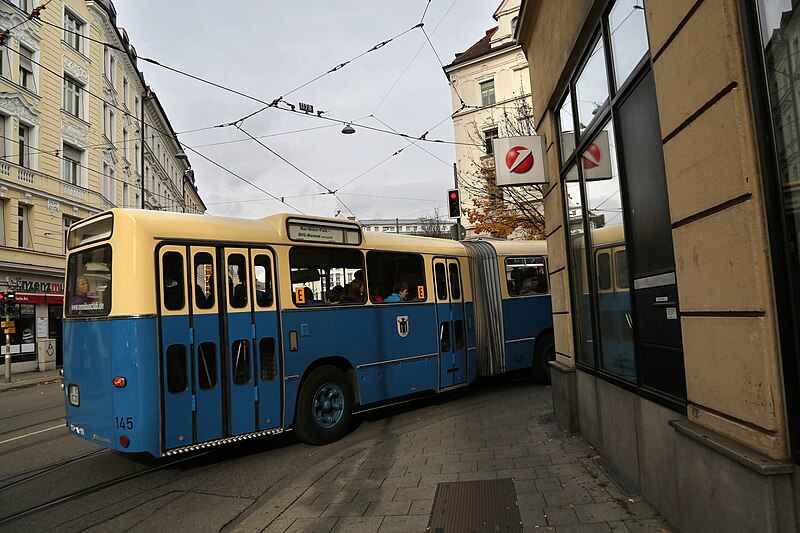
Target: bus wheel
325 407
545 352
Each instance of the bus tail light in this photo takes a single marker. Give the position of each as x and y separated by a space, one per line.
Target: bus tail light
124 441
120 382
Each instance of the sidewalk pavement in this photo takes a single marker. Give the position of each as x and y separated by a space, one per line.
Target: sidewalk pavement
389 484
22 380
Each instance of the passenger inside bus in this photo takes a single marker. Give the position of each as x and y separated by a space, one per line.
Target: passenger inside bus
354 291
399 292
335 295
528 286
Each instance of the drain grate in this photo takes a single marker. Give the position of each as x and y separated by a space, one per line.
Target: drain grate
475 507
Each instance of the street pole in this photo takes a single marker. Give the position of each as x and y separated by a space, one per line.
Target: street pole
8 352
459 227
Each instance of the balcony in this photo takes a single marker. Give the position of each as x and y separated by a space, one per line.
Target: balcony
34 181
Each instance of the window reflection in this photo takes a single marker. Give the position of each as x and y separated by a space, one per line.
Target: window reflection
567 129
578 272
628 38
591 88
606 230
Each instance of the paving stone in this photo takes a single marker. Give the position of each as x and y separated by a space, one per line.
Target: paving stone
495 464
531 500
344 496
397 482
517 473
358 524
395 471
279 525
550 484
458 468
437 478
542 471
388 508
601 512
568 497
300 510
566 469
564 458
379 495
442 459
363 484
357 474
513 452
558 516
421 507
583 528
640 509
653 525
403 524
373 464
345 509
476 456
307 525
477 476
416 493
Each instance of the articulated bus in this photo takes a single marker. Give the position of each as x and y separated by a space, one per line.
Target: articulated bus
183 331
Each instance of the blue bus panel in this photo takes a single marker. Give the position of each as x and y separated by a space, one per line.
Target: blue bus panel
524 318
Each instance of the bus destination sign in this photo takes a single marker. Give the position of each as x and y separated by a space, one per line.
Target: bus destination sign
325 232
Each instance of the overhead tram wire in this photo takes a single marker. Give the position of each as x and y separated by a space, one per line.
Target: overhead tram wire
415 55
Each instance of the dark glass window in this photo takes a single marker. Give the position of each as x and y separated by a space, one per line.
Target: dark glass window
173 281
204 280
327 276
604 271
207 365
240 362
458 332
441 281
455 282
176 369
269 367
263 274
89 283
621 263
444 337
237 280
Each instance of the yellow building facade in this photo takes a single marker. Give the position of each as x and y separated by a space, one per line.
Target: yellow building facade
71 115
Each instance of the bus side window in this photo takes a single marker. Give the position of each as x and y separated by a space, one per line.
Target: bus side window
604 271
237 280
455 283
263 277
204 280
441 282
173 280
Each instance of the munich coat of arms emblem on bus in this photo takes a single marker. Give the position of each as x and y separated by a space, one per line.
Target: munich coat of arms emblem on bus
402 326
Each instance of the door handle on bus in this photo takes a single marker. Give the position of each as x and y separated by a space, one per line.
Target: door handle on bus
292 341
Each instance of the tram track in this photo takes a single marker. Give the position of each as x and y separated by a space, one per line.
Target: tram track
10 481
5 521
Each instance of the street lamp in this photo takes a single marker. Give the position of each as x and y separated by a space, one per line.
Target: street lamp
348 129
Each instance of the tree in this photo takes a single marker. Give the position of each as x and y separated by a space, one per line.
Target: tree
434 226
503 211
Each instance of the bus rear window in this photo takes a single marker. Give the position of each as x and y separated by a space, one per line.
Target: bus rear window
89 283
95 230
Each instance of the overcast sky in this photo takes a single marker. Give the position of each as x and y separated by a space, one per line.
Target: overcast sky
267 49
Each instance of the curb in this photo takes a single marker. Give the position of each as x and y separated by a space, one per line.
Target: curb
6 387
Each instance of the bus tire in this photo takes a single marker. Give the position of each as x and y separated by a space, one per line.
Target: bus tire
544 352
324 407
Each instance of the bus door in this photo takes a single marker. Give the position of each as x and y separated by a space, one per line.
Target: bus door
242 393
266 340
204 278
176 391
452 324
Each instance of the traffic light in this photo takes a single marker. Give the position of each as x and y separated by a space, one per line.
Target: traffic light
9 303
453 203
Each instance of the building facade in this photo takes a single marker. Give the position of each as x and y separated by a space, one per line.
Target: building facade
676 320
71 108
490 88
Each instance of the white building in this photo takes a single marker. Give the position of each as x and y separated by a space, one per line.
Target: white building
489 82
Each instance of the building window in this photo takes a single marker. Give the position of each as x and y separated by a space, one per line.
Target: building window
72 97
109 65
23 226
23 146
109 122
125 140
22 4
72 165
26 78
513 26
125 90
3 205
73 31
66 223
488 138
487 92
136 155
126 192
109 184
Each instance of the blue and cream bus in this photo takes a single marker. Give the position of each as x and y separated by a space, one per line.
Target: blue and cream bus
184 331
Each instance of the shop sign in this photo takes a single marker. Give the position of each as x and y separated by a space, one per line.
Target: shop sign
39 286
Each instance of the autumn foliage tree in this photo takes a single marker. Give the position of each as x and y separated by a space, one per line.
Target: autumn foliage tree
503 211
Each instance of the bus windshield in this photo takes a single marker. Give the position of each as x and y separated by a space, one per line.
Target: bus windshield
89 283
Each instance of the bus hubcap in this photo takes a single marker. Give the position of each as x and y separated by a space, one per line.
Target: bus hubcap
328 405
